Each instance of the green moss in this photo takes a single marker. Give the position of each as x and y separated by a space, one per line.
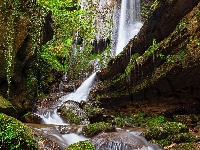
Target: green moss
4 103
185 146
168 133
15 135
82 145
142 120
92 111
92 129
164 130
71 117
154 5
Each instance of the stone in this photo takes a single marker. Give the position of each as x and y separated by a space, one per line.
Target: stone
6 107
166 75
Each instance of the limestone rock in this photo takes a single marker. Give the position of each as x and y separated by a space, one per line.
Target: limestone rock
168 69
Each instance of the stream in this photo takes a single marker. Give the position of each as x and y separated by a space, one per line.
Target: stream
54 127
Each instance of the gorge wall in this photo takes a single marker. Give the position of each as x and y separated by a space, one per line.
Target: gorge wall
24 27
168 67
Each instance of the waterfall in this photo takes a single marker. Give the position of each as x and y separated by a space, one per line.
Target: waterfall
129 24
82 92
50 115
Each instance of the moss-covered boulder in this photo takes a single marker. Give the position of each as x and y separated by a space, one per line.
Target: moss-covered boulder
71 112
15 135
82 145
168 133
6 106
95 128
95 114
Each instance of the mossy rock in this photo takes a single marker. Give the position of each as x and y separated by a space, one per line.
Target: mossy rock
167 133
95 128
184 146
142 120
6 106
82 145
15 135
95 114
162 131
176 138
71 111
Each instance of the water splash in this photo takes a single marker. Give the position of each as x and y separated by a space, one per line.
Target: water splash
82 92
50 116
72 138
122 141
129 24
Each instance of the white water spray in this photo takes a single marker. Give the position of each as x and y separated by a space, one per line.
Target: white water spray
129 24
50 115
82 92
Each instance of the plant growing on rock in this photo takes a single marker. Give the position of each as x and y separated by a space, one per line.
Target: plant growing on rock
167 133
92 111
82 145
95 128
15 135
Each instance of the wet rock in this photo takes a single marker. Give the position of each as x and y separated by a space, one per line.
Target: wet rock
20 136
160 24
22 30
95 128
167 71
119 140
31 118
81 145
71 111
99 45
6 107
50 139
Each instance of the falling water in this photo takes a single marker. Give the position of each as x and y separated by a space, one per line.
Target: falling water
82 92
129 24
50 115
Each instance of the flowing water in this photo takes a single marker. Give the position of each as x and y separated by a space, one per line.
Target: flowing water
129 24
125 140
51 116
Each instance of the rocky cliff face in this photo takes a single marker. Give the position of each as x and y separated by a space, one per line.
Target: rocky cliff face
24 27
168 67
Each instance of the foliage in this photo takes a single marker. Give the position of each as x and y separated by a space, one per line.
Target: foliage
163 130
82 145
141 120
152 48
95 128
167 133
15 135
92 111
69 22
173 58
122 121
182 24
144 11
154 5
